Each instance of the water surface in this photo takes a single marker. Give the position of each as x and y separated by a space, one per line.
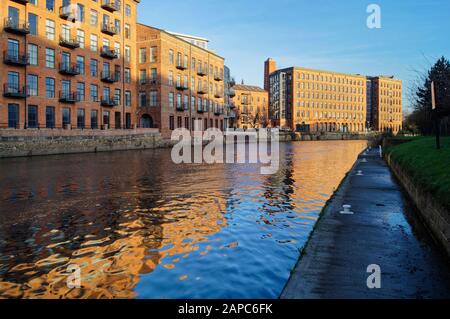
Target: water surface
140 226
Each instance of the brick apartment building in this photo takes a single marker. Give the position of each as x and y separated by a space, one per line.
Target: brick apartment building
68 65
304 99
179 81
251 105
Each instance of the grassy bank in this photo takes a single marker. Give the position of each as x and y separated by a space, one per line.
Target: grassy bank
427 166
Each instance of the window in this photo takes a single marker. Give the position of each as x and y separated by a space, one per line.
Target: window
127 75
171 123
50 58
142 99
80 91
32 116
171 100
80 38
33 54
153 74
170 80
94 93
94 43
80 118
170 56
153 98
80 13
142 55
118 96
142 76
13 115
127 31
13 81
50 117
80 64
128 98
50 29
94 67
94 119
106 118
49 87
128 10
153 54
65 117
127 54
33 23
50 5
94 18
32 81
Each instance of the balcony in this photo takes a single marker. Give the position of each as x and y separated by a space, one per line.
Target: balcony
181 87
14 91
201 110
180 107
109 77
181 66
108 53
67 42
217 112
17 27
245 102
218 95
201 72
110 6
202 91
108 101
21 1
67 12
218 77
231 93
109 29
232 106
15 59
68 97
69 69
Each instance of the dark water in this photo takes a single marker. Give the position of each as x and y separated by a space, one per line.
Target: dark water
140 226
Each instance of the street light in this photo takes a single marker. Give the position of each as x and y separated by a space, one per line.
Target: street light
435 115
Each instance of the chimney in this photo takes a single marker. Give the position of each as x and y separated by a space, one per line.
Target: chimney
270 66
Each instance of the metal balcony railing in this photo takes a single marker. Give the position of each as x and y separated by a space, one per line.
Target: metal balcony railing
16 26
14 58
14 90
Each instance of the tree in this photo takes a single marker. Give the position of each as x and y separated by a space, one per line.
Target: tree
422 115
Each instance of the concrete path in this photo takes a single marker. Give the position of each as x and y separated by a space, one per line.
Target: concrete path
384 230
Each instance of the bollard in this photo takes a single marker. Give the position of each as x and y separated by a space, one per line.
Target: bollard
346 210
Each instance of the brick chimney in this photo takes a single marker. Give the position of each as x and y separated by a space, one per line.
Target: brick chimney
270 66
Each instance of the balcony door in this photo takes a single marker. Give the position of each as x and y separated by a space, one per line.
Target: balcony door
13 49
13 15
13 82
65 88
65 60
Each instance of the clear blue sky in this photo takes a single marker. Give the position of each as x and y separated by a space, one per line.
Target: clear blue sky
320 34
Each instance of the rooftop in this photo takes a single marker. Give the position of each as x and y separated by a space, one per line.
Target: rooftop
251 88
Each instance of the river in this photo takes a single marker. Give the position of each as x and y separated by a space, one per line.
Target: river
139 226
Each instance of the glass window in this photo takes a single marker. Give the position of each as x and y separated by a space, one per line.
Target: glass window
33 54
94 67
50 117
50 5
80 118
50 29
94 119
50 58
33 23
65 116
50 87
32 116
32 82
13 116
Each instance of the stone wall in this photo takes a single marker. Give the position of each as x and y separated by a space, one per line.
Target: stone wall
17 143
435 216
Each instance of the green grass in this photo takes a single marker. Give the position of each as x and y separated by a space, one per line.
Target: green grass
427 166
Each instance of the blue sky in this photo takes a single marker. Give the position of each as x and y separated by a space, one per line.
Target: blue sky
319 34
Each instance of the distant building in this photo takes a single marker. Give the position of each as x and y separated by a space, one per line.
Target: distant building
251 105
302 99
197 41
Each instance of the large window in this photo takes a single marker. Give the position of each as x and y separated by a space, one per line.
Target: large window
80 64
50 5
33 54
33 23
50 58
32 116
142 55
80 118
94 93
80 91
50 29
13 116
32 82
65 117
50 117
94 119
94 67
49 87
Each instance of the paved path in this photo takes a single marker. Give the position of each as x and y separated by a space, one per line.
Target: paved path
383 230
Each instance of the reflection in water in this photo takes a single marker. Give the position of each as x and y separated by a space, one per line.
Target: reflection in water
140 226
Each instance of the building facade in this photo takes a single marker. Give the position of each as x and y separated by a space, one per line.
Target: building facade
386 104
303 99
178 82
68 64
251 106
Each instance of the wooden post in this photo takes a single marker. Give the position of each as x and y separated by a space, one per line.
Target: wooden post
437 126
